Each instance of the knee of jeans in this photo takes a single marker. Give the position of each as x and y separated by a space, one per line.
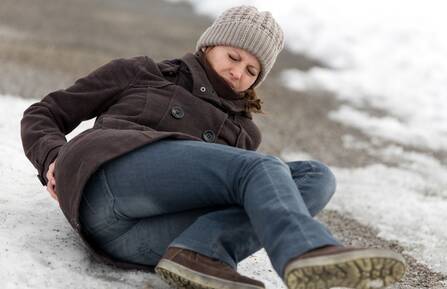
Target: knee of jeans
327 180
271 159
252 161
275 159
252 158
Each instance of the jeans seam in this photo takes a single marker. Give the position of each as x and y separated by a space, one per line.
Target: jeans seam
261 160
121 235
304 177
84 197
150 251
110 193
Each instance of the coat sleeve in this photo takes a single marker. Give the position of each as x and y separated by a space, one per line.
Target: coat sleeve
45 123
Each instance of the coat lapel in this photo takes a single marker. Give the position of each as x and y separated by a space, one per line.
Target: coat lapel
218 94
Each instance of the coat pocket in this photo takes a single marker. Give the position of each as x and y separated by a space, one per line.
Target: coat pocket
158 100
108 122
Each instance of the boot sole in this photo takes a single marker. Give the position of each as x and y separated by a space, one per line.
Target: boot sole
181 277
365 269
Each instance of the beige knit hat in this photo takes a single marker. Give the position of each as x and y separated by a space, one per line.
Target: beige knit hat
246 28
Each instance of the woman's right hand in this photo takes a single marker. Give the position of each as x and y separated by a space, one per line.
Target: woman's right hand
51 185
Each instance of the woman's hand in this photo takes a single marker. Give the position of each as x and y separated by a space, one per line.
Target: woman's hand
51 185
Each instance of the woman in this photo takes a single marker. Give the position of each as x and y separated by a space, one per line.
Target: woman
169 175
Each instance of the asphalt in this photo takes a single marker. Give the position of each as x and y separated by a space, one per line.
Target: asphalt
46 45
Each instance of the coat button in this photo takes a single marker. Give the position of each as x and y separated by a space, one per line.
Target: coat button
203 89
209 136
177 112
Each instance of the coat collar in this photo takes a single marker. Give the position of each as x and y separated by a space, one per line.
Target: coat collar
219 93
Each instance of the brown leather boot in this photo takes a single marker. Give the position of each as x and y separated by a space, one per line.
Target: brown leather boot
336 266
186 269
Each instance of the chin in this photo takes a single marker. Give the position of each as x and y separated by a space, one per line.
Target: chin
236 90
229 84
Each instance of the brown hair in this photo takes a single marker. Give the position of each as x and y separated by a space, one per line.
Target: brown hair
254 103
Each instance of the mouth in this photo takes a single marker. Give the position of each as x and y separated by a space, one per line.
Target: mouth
229 83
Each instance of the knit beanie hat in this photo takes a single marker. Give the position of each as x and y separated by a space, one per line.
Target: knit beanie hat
247 28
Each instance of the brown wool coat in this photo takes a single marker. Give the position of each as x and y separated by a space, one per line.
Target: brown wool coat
136 102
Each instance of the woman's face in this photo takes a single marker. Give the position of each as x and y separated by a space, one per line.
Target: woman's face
236 66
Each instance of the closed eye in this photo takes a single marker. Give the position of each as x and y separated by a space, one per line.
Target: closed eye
251 72
233 57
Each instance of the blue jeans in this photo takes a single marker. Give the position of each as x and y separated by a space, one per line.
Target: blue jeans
218 200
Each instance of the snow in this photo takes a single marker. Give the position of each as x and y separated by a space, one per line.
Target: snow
389 128
385 55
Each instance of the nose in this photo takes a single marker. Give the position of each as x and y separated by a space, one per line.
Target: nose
236 73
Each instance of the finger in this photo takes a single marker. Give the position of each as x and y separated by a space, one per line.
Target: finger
55 193
52 192
54 196
50 189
